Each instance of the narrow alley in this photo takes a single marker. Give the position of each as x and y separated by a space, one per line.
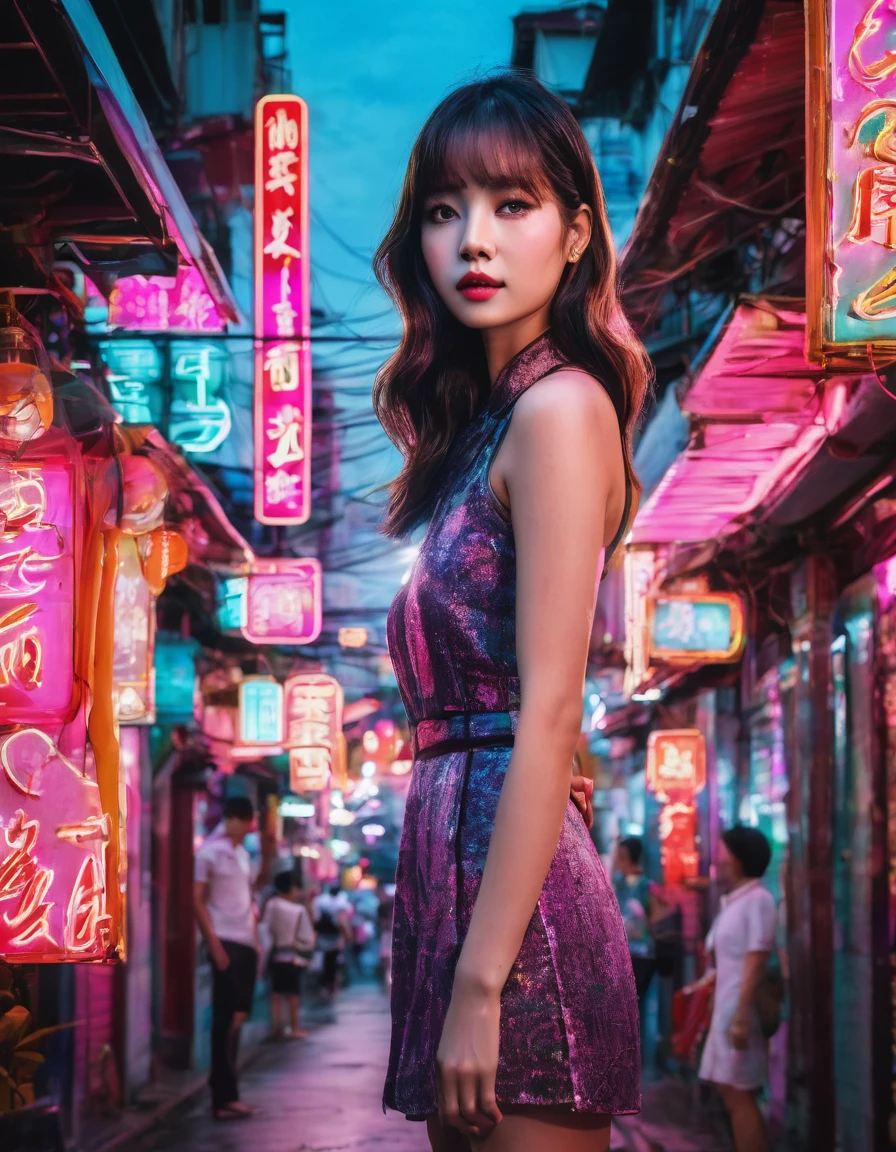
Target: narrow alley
323 1095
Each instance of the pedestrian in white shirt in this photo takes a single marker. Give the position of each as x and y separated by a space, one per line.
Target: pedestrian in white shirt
222 897
332 913
292 944
742 939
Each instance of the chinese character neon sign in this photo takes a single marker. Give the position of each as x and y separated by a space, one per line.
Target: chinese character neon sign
37 592
282 313
851 180
708 627
260 711
284 602
200 418
178 303
313 711
676 763
313 730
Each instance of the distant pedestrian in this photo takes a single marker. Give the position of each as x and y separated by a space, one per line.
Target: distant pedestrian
332 910
226 916
742 939
292 945
633 892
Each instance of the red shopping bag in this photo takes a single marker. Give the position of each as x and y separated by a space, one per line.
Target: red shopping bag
691 1014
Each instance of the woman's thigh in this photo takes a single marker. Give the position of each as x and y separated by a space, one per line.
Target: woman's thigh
531 1129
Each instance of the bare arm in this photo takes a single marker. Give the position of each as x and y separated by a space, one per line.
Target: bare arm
754 966
220 959
561 458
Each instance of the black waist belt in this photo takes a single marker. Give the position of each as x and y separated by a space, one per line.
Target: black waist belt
463 732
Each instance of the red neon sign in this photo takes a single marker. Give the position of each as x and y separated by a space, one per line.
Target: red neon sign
676 763
282 313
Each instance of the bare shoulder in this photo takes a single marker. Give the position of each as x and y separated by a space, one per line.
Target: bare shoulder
569 401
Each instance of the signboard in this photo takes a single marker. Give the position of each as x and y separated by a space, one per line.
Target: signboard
132 665
708 627
353 637
676 763
313 711
175 675
37 592
260 711
282 313
284 602
232 603
178 303
199 419
56 840
851 181
309 769
679 857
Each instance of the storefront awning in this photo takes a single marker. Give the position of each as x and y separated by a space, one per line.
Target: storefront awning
72 132
758 415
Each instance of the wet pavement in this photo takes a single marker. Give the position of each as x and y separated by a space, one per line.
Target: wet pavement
323 1095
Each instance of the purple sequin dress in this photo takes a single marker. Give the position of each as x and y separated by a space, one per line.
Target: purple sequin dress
569 1018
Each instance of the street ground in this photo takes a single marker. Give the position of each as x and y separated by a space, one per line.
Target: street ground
323 1095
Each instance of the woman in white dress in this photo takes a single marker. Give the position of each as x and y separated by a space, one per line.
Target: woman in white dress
742 938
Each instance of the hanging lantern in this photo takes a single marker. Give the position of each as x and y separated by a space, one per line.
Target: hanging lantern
163 553
144 497
26 394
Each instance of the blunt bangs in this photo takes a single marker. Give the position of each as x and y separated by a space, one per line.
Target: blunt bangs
484 144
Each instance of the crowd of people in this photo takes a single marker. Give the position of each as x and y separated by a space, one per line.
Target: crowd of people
279 932
282 933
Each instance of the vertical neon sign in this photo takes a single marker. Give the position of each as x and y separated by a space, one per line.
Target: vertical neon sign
851 181
282 313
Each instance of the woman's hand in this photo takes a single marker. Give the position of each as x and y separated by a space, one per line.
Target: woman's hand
467 1060
580 791
739 1032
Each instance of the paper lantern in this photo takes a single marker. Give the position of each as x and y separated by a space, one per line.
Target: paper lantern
163 553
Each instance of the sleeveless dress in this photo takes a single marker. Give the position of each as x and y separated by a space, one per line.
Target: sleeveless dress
569 1018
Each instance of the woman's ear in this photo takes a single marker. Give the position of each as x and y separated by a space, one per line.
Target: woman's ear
580 229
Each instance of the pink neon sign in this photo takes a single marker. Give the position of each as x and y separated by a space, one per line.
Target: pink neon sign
851 179
164 304
54 832
37 578
282 313
284 602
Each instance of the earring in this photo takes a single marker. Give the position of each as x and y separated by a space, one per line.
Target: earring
574 255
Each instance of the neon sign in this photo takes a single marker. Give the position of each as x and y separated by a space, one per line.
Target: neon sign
134 619
200 418
134 374
707 627
178 303
37 592
260 711
282 313
284 602
851 180
676 763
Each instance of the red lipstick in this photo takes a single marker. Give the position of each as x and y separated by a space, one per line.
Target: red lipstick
478 286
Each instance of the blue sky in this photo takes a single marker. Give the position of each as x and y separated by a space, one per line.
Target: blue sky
371 72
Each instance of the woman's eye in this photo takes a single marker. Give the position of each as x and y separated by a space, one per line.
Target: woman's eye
439 213
515 207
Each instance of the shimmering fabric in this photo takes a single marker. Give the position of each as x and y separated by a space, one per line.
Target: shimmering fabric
569 1020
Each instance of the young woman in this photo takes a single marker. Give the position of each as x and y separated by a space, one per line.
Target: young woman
735 1056
512 396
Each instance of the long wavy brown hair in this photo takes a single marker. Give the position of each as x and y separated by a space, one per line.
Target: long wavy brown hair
503 130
